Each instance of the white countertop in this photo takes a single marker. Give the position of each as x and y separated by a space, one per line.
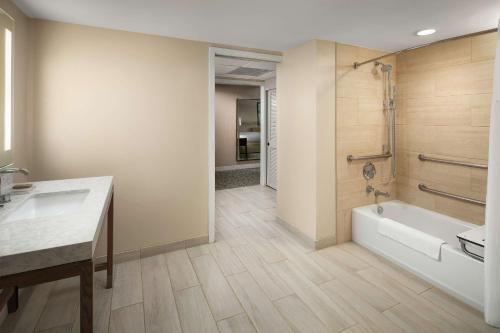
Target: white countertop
48 241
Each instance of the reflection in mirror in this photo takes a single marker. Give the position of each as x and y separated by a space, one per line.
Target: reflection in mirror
6 67
247 129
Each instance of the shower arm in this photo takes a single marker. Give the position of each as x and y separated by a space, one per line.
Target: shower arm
356 65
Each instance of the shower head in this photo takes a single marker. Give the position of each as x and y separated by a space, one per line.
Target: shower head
384 67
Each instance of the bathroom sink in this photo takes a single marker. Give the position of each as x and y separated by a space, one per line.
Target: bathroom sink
49 204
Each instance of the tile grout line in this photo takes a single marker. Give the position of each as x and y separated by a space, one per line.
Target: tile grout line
142 289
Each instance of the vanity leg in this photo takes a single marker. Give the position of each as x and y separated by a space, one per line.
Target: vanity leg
109 267
86 296
13 302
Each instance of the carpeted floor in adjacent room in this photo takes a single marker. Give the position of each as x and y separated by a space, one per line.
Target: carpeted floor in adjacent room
236 178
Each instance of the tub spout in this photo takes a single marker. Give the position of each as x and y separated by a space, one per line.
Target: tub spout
380 193
370 189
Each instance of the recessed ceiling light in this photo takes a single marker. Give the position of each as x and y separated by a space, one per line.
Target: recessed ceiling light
426 32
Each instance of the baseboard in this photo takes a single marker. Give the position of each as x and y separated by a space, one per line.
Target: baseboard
325 242
306 240
154 250
237 167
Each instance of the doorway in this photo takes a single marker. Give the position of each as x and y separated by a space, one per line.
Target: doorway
237 136
241 68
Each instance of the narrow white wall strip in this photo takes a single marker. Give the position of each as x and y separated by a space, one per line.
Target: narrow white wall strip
492 255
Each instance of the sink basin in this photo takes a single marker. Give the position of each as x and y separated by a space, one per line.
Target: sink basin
49 204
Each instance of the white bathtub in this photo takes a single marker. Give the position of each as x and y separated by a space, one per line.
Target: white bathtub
455 272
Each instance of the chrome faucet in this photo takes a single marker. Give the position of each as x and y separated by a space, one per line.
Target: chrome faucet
5 197
14 170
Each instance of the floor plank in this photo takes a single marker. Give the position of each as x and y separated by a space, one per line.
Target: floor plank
259 308
129 319
419 305
160 311
263 227
60 329
265 249
230 234
299 316
267 279
328 311
458 309
194 313
405 318
181 271
62 306
32 302
308 267
379 299
355 329
127 285
237 324
220 296
226 259
344 258
232 213
362 312
199 250
407 279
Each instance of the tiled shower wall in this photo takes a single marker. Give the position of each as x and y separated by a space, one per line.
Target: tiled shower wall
444 98
361 130
443 107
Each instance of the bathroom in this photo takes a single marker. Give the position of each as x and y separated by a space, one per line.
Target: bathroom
380 206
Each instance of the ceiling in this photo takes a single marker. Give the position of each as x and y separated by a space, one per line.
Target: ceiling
279 24
232 68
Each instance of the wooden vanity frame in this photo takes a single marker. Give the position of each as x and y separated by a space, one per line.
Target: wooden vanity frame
10 284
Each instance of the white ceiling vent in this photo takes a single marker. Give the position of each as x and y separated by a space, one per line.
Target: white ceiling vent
247 71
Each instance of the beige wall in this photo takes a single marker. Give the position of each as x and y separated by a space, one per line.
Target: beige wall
133 106
444 107
225 121
361 130
306 139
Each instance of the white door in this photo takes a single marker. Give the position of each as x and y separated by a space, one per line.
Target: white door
272 151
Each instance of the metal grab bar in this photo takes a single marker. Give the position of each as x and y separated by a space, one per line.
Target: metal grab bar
351 158
424 188
463 245
422 157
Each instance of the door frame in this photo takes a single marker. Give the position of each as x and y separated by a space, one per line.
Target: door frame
212 52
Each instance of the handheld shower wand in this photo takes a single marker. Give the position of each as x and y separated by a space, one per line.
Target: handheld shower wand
390 110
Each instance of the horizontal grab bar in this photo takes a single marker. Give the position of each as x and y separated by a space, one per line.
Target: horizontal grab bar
424 188
422 157
351 158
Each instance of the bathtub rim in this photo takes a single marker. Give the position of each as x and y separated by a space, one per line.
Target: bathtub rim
371 209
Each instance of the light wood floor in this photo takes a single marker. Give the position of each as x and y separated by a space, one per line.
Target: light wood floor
257 277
